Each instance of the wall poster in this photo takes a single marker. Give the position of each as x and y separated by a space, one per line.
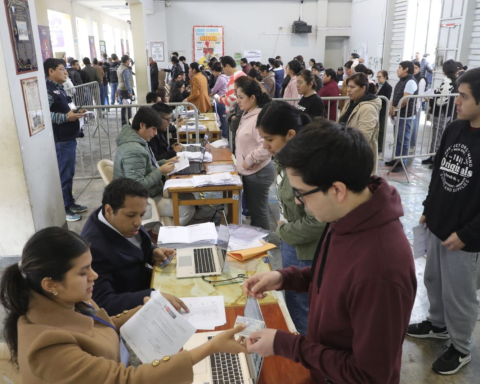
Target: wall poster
103 47
123 47
208 41
33 105
21 35
45 42
93 50
157 51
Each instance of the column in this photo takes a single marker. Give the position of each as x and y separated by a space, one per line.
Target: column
142 71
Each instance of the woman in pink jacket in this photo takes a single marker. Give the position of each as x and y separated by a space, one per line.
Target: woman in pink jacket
253 161
294 67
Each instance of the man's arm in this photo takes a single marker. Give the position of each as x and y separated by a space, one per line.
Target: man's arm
301 231
57 118
134 167
126 78
379 312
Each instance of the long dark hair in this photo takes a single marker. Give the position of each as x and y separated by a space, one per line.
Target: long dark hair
48 253
278 117
252 88
176 95
361 80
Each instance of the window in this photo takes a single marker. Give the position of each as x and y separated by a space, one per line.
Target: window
61 34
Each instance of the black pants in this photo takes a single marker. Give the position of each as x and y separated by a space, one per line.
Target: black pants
381 133
123 95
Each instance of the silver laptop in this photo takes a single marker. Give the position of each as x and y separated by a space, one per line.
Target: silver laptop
204 261
224 367
196 148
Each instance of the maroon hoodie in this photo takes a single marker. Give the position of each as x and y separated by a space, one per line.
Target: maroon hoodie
360 305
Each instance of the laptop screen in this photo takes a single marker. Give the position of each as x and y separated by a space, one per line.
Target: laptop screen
253 311
223 239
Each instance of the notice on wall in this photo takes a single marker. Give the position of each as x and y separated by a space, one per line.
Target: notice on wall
45 42
157 51
207 43
93 50
33 105
103 47
252 55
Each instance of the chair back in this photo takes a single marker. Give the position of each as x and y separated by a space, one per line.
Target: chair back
105 168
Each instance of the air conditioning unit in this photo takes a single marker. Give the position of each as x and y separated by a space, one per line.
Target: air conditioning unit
301 27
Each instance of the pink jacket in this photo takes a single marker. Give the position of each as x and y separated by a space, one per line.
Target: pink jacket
291 91
249 145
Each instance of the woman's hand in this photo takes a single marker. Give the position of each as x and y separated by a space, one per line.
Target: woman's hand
225 342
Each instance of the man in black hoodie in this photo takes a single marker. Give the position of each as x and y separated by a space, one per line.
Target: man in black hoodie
452 217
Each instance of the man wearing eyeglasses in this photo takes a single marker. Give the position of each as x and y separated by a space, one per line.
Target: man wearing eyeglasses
66 129
362 281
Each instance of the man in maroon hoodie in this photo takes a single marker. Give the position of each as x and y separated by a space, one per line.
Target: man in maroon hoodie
362 282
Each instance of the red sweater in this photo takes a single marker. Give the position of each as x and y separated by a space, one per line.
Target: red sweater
359 316
330 89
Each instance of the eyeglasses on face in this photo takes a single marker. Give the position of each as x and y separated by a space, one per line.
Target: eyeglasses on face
301 196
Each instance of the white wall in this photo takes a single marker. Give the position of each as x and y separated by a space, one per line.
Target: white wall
251 25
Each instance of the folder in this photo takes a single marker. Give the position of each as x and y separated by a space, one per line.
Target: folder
246 254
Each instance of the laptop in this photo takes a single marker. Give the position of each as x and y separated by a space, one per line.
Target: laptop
205 261
224 367
196 148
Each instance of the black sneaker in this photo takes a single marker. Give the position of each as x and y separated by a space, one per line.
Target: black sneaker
75 208
451 361
72 216
398 168
391 163
426 330
428 161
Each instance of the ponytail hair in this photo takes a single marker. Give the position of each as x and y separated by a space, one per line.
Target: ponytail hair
361 80
252 88
278 117
48 253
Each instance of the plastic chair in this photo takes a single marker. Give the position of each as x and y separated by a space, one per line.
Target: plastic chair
105 168
8 373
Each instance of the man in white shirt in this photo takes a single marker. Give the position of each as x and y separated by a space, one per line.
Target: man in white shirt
122 251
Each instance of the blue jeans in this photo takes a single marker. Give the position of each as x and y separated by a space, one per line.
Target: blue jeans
221 111
104 94
113 90
413 135
403 124
297 303
66 152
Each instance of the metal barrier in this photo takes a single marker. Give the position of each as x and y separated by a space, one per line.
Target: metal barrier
100 133
426 125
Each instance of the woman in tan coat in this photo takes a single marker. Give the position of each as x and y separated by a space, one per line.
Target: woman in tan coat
57 334
362 111
199 93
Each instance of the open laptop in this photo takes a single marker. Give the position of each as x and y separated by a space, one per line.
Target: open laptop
196 148
224 367
205 261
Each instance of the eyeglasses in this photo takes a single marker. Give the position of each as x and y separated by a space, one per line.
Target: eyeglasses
300 83
62 69
169 120
300 196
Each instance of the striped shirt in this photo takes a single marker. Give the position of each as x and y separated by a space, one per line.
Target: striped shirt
230 98
57 118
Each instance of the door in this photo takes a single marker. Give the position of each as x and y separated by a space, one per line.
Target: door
334 52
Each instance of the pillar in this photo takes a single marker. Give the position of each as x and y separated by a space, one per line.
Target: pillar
142 70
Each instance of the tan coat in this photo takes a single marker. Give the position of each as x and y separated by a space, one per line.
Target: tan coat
60 346
366 118
199 94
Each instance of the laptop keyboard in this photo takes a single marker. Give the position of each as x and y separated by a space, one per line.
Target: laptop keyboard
204 262
226 368
193 148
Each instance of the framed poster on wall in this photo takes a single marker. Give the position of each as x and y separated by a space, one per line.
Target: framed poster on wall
208 41
93 50
103 47
33 105
21 35
157 52
45 42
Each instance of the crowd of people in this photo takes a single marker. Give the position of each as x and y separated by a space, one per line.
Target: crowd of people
348 271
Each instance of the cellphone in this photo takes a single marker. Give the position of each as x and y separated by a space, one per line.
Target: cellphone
78 109
166 262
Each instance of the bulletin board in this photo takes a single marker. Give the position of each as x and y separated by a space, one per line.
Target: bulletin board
208 41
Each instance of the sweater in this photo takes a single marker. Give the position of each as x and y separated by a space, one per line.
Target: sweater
279 75
249 145
123 276
229 98
443 106
199 94
452 203
360 305
270 85
302 230
291 91
133 160
330 89
221 85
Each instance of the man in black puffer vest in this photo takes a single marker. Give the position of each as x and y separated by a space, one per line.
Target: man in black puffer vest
66 129
407 85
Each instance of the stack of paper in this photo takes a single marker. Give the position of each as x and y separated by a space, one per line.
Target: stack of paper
178 183
222 143
198 157
191 128
182 163
206 313
200 118
190 236
219 168
216 179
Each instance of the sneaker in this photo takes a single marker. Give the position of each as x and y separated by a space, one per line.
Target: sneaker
391 163
428 161
430 166
426 330
75 208
397 169
451 361
72 216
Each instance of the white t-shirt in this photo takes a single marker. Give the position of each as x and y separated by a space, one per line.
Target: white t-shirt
411 87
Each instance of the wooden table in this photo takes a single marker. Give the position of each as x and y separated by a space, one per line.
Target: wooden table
230 193
210 124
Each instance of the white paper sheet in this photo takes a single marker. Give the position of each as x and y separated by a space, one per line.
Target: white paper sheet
222 143
192 128
220 168
206 313
419 241
176 183
198 156
156 330
182 163
189 234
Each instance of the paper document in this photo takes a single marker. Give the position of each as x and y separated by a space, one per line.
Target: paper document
224 178
182 163
199 156
178 183
192 128
156 330
206 313
220 168
419 241
222 143
246 254
187 235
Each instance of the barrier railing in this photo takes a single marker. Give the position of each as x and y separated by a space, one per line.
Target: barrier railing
100 133
420 135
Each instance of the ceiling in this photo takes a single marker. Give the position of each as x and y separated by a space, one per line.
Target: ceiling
113 8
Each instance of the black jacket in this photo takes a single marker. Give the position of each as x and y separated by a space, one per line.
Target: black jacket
74 76
123 277
452 203
154 76
408 110
159 146
386 91
113 72
85 78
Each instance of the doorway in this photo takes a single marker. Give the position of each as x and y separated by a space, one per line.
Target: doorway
334 52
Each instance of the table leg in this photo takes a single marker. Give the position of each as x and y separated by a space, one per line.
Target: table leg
235 207
176 213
